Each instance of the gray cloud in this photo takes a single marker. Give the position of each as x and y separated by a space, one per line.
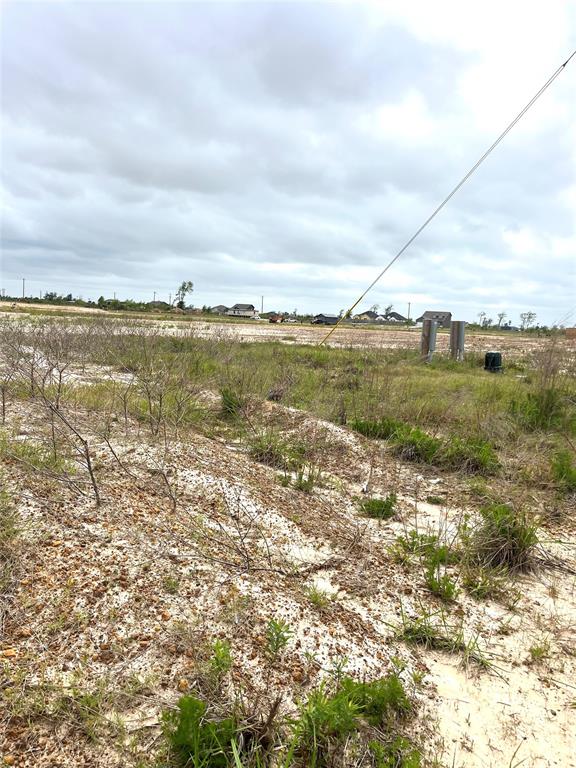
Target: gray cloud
285 149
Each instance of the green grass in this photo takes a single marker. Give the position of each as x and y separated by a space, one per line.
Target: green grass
436 632
563 468
504 539
379 509
410 443
441 584
34 454
328 719
318 597
334 717
196 740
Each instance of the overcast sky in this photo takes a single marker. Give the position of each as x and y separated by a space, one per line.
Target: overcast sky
289 150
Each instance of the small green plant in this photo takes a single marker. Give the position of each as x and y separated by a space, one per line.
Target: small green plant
278 634
413 444
440 585
171 585
221 661
232 403
435 500
539 651
504 539
34 454
563 468
196 740
267 447
380 509
397 753
484 583
543 409
474 456
432 630
427 547
382 429
308 476
318 597
328 719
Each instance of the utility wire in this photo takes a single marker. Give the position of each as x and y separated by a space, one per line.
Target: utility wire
476 165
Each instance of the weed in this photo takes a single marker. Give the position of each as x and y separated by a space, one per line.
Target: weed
9 532
435 500
397 753
232 403
413 444
318 597
34 454
428 547
171 585
221 661
382 429
308 476
539 652
194 739
433 631
469 455
504 539
380 509
278 634
563 467
268 448
440 585
327 720
484 583
543 409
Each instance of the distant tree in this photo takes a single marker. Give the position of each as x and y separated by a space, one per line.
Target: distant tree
341 313
374 307
101 302
487 322
388 309
481 317
186 287
527 319
500 316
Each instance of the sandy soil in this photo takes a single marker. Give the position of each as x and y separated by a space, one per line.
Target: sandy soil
124 599
23 306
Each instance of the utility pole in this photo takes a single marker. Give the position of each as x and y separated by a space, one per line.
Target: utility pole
170 299
154 297
262 304
408 310
23 287
114 295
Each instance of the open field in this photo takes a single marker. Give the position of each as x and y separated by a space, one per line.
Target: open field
333 556
234 329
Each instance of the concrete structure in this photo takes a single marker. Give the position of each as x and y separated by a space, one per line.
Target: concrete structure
442 318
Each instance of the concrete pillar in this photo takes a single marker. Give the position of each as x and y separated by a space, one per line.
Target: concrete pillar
457 328
428 339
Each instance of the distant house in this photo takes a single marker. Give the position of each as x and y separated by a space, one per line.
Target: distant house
324 319
219 309
366 317
242 310
396 317
442 318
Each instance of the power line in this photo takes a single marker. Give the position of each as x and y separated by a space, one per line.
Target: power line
437 210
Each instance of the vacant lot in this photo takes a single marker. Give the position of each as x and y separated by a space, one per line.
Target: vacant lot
220 553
